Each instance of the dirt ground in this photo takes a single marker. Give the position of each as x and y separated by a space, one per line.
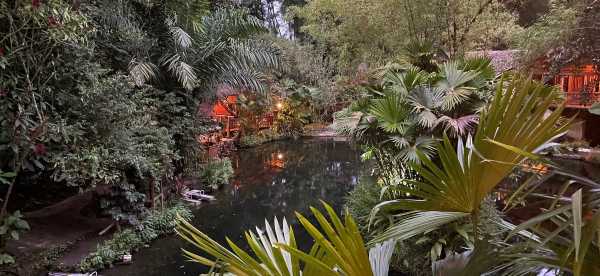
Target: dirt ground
61 235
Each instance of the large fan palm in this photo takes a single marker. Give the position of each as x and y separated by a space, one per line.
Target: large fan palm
514 126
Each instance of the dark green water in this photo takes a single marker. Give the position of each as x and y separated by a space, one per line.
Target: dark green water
271 180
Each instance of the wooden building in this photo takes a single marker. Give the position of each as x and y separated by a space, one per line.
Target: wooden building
579 81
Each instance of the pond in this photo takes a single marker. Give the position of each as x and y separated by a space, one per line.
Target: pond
271 180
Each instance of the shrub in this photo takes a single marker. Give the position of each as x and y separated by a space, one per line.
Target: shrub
217 173
360 201
260 138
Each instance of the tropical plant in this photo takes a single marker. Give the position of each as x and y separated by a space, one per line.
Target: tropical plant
339 249
512 129
411 108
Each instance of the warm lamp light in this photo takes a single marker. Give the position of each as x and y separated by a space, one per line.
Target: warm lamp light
279 105
280 156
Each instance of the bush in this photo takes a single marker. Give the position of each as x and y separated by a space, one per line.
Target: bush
260 138
360 201
217 173
156 224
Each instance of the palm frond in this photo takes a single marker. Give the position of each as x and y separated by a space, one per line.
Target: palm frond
270 259
230 23
380 256
409 149
391 113
405 81
411 224
142 72
180 37
471 171
454 85
183 72
342 247
481 65
460 126
254 53
424 101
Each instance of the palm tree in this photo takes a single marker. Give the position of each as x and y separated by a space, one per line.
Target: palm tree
338 249
195 48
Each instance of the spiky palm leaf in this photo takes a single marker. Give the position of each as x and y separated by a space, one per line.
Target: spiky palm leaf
338 250
514 126
269 260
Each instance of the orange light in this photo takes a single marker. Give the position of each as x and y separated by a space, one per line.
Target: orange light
279 105
280 156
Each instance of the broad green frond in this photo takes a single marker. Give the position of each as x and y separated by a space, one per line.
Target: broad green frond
405 81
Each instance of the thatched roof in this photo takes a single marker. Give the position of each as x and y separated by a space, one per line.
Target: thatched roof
501 60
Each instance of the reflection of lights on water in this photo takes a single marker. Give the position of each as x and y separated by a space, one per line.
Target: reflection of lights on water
280 156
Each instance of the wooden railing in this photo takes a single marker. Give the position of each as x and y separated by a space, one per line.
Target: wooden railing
581 99
232 123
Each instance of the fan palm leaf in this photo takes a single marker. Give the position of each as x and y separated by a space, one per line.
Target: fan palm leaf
454 85
405 81
458 127
424 100
409 150
391 113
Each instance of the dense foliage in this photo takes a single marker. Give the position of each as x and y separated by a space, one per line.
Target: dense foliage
103 95
217 173
373 31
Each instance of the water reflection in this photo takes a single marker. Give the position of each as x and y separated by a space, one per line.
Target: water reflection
272 180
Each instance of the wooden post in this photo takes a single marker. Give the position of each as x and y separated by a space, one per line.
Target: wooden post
151 192
228 126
